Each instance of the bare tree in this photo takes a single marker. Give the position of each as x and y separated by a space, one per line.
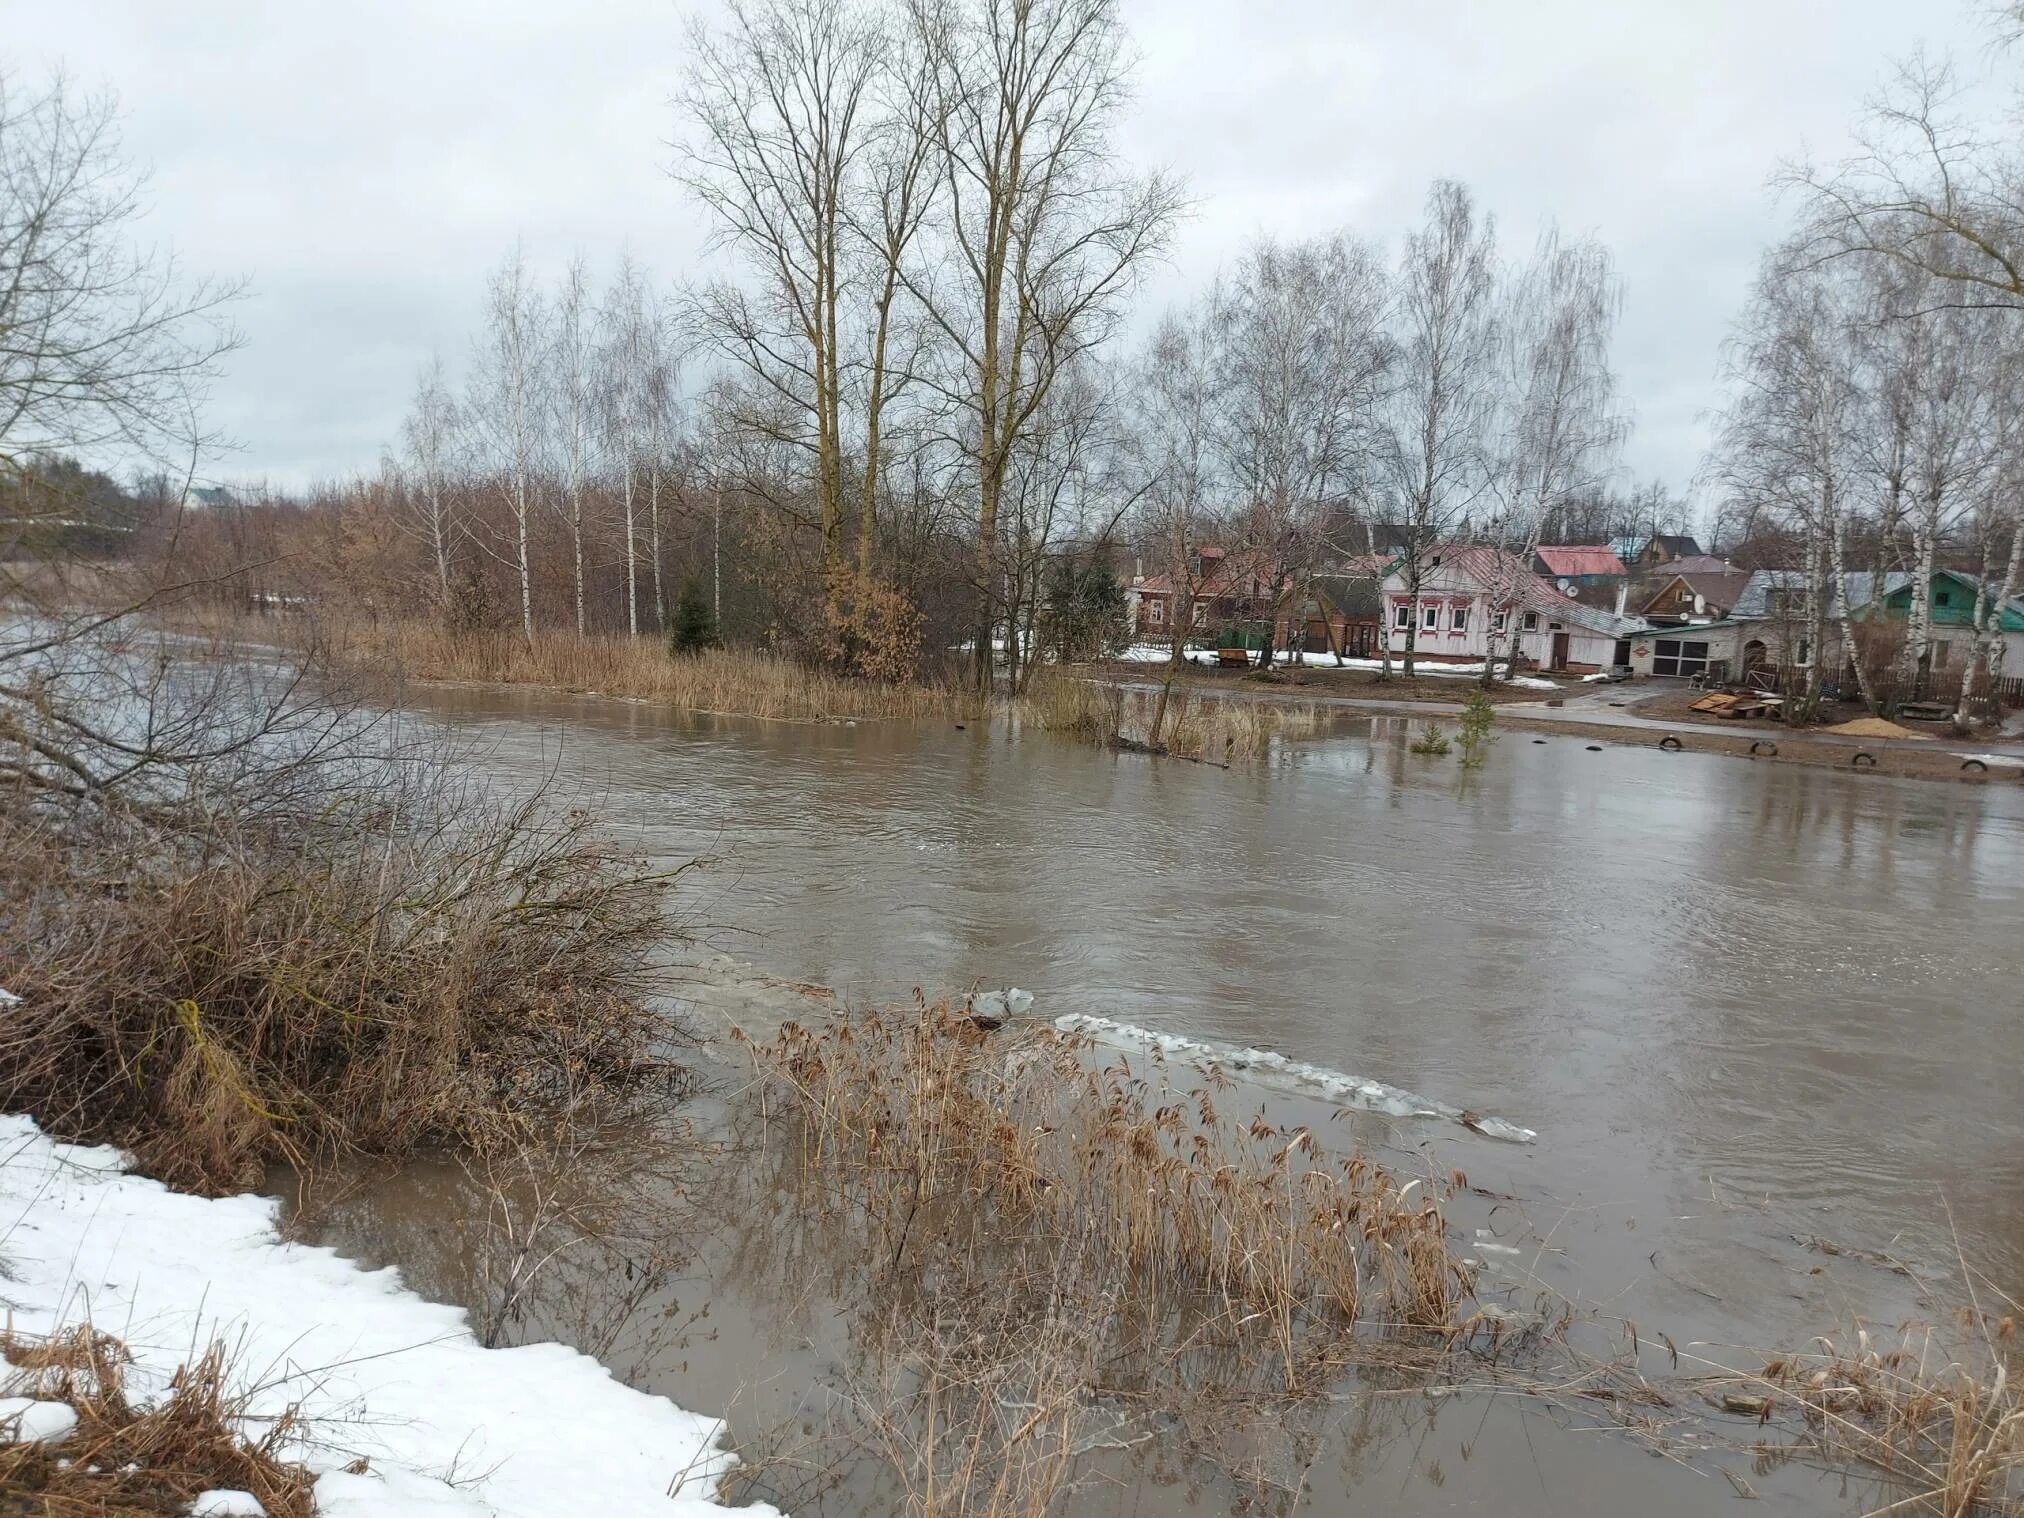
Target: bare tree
576 409
105 348
1041 233
505 408
431 435
782 100
1559 431
1925 190
1303 354
1433 448
1788 440
1174 439
661 399
626 359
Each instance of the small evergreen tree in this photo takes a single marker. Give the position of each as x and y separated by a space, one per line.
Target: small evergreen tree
695 625
1478 717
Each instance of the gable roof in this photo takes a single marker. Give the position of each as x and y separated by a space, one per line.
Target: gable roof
1719 591
1495 569
1676 543
1572 560
2012 619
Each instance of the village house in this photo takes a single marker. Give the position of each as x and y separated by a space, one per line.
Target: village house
1593 575
1233 599
1467 596
1695 596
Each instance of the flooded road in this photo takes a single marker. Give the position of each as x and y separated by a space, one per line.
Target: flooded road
1764 1020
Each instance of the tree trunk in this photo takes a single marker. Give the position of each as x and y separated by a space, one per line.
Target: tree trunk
654 541
632 590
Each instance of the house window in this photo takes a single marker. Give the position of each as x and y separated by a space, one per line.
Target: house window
1430 617
1458 619
1680 656
1156 613
1501 621
1943 598
1402 617
1531 622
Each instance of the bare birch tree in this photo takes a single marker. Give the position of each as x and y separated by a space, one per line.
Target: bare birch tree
1559 430
576 409
1174 441
1433 453
625 360
505 408
1302 355
431 434
1041 233
1788 441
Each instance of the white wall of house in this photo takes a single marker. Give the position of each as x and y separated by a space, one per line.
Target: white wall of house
1453 620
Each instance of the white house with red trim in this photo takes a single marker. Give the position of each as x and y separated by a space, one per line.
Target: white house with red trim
1468 594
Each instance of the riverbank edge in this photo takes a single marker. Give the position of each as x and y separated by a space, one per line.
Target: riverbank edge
385 1392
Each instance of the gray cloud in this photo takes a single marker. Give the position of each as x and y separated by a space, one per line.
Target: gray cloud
367 164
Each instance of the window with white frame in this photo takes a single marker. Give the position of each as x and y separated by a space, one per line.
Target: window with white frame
1403 617
1500 621
1531 622
1156 613
1458 619
1430 618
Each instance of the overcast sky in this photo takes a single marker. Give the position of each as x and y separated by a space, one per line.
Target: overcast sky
366 164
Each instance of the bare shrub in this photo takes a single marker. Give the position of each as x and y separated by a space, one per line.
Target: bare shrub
871 631
402 965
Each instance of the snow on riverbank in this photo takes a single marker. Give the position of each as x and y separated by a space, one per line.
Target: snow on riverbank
1325 663
1337 1085
448 1428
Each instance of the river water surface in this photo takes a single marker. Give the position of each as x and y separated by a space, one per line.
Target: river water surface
1748 1009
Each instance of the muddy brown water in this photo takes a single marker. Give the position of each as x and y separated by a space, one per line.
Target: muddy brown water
1748 1010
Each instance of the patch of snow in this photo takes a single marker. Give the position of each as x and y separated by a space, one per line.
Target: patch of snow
8 998
27 1420
1324 663
2009 761
1350 1090
1011 1001
446 1425
227 1504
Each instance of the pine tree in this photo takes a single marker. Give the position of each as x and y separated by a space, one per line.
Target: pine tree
695 625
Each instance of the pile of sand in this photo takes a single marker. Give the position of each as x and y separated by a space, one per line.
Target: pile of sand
1873 727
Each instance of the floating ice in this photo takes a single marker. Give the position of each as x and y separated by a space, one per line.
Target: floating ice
1351 1090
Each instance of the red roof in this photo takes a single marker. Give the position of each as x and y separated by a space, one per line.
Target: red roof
1572 561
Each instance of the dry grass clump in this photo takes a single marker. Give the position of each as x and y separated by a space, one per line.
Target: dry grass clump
128 1461
732 682
963 1146
1950 1427
1217 731
1198 728
1047 1249
390 972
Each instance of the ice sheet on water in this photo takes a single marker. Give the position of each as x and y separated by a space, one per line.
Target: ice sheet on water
1339 1085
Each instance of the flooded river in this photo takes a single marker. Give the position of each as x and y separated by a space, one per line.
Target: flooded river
1749 1010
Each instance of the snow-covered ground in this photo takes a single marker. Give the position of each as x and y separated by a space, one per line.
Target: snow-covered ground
448 1428
1324 663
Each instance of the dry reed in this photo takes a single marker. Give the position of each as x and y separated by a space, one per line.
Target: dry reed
1215 730
124 1460
729 682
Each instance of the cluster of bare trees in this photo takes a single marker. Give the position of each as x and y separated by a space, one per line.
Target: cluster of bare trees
1322 408
572 413
1876 378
